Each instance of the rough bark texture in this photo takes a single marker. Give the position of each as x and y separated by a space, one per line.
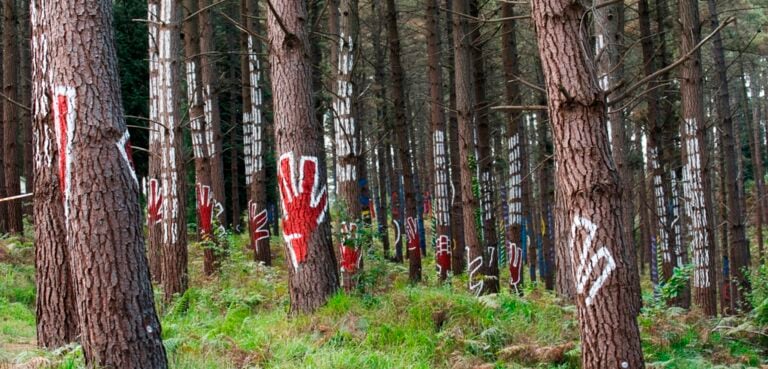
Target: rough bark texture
212 116
588 188
755 144
198 126
485 159
174 275
254 137
464 112
301 172
348 143
738 247
153 190
457 216
11 117
56 314
119 327
442 208
410 229
697 188
517 152
382 120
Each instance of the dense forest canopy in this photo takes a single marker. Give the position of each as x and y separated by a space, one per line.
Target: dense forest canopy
397 183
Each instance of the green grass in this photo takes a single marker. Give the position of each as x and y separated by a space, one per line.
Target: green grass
238 319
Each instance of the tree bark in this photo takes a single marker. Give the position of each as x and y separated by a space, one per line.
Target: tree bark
56 313
484 158
517 151
212 116
174 274
254 137
757 167
697 188
118 323
457 215
313 275
205 202
25 89
153 188
738 248
440 145
11 118
348 143
589 189
465 114
382 120
410 227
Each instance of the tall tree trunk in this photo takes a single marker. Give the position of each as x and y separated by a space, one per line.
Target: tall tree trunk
313 275
11 117
56 313
198 125
457 216
26 98
348 145
212 116
118 324
440 144
153 189
174 274
382 120
547 199
588 186
757 166
738 248
465 114
254 137
517 154
484 158
697 189
410 227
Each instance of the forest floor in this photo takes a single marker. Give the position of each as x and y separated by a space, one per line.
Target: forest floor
238 319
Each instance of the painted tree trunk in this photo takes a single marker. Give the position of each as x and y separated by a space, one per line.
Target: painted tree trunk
697 188
518 182
11 118
410 228
442 208
205 202
464 111
118 323
588 187
152 186
348 143
484 158
458 252
56 313
254 134
547 199
313 276
174 273
212 114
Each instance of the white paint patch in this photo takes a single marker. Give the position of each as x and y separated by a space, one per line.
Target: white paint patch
693 192
585 263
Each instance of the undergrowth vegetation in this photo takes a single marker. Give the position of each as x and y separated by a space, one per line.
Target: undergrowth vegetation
239 320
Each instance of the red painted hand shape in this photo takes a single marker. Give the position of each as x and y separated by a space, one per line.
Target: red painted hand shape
304 202
205 208
350 255
154 203
413 234
257 222
443 253
515 263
